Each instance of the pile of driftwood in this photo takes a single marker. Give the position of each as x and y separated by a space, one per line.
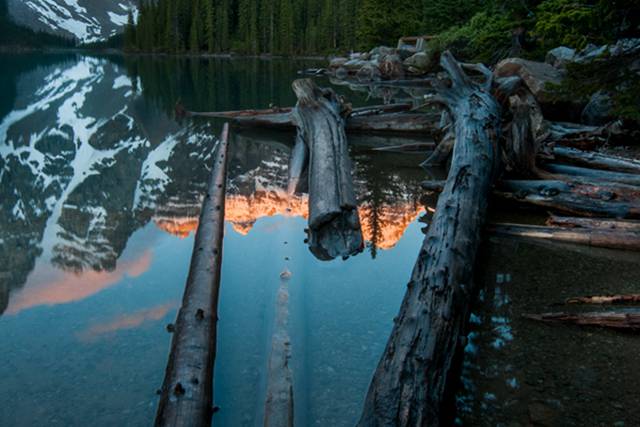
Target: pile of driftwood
494 137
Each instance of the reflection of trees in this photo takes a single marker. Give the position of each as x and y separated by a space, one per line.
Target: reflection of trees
381 185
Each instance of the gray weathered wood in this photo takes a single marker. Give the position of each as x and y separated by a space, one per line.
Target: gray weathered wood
187 391
418 372
334 225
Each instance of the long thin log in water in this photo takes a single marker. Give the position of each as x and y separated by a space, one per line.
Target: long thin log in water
596 160
606 299
278 411
595 223
618 321
612 239
187 391
607 200
418 372
594 175
334 225
393 118
408 148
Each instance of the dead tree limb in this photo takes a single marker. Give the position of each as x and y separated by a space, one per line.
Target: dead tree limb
606 300
594 175
618 321
418 372
334 225
187 391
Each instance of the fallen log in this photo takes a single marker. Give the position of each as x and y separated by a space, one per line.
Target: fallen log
594 175
611 239
618 321
394 118
574 198
594 223
334 225
606 299
417 376
408 148
582 199
596 160
278 407
186 395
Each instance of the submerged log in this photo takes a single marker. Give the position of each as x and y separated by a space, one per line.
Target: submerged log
297 182
187 391
611 239
606 299
278 407
418 373
619 321
334 225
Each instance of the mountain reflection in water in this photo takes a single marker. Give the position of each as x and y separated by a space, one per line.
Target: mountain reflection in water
100 193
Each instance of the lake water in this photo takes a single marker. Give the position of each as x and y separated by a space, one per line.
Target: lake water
100 191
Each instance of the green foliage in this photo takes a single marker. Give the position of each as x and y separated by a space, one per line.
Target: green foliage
485 38
566 23
611 75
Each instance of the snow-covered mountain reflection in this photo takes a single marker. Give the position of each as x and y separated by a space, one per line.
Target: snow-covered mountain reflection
85 161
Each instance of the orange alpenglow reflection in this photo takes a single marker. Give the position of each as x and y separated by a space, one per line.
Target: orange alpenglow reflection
127 321
50 286
243 212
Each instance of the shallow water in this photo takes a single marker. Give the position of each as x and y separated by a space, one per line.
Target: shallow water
100 191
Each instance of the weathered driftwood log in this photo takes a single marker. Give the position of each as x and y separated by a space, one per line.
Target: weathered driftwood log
394 118
418 372
606 200
443 150
595 223
593 175
596 160
278 410
575 198
619 321
187 391
612 239
334 225
606 299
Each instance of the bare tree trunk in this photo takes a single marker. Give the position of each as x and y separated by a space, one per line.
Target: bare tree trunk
596 160
418 372
595 223
334 225
187 391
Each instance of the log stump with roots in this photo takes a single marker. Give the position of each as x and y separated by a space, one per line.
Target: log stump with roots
417 375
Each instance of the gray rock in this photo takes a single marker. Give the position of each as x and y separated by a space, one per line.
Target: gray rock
536 75
421 62
599 110
337 62
560 56
391 67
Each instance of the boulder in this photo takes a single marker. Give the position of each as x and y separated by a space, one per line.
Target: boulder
536 75
419 63
369 72
560 56
599 110
381 51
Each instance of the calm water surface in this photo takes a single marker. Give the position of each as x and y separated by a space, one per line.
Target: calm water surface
100 191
